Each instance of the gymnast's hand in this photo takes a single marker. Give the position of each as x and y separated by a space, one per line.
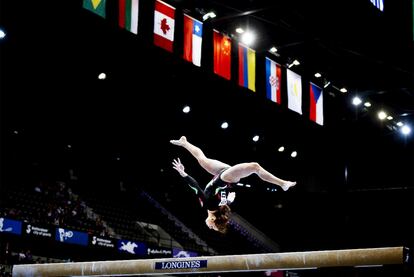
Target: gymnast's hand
177 165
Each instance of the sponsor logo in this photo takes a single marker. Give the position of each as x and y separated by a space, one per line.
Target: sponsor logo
64 235
181 264
164 252
38 231
102 242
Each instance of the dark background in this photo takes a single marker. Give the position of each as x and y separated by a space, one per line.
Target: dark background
355 174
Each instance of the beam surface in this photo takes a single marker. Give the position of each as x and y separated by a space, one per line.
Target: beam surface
230 263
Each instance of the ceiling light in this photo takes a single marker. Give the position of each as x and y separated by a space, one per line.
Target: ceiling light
248 38
294 154
273 50
186 109
343 90
2 34
281 149
400 124
367 104
239 30
405 130
224 125
256 138
390 117
356 101
382 115
209 15
318 75
102 76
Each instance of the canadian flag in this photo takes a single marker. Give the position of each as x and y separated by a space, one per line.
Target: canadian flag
164 25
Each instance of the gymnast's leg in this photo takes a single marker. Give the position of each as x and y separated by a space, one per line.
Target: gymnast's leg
239 171
212 166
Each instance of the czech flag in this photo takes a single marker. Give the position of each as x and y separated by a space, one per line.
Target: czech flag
316 104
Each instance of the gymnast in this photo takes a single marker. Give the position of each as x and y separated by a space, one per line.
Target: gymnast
217 194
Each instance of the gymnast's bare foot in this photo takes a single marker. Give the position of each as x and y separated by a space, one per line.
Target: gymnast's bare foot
180 142
286 185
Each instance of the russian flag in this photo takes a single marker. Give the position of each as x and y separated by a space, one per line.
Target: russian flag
316 104
273 80
193 33
247 67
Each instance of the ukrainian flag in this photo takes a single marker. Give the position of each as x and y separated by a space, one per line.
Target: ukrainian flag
247 67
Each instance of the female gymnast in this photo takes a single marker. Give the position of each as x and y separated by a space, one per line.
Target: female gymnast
216 196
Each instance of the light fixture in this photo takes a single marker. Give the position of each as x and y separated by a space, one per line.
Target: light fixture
2 34
390 117
367 104
356 101
281 149
273 50
209 15
382 115
224 125
326 84
256 138
102 76
294 154
405 130
239 30
248 38
186 109
400 124
318 75
343 90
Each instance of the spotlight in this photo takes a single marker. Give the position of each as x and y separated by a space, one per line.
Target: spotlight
382 115
256 138
356 101
224 125
186 109
102 76
405 130
318 75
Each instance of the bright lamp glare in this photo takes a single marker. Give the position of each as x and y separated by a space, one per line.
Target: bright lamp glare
367 104
317 75
294 154
382 115
186 109
2 34
224 125
356 101
256 138
405 130
281 149
102 76
239 30
248 38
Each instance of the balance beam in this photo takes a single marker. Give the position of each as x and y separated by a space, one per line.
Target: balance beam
230 263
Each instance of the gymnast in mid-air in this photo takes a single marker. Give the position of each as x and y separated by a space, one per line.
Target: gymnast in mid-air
216 196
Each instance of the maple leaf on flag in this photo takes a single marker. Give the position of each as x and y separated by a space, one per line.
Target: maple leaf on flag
164 26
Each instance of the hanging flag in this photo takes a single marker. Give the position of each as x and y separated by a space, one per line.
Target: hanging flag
193 33
247 67
222 55
128 15
96 6
164 25
316 104
273 81
294 90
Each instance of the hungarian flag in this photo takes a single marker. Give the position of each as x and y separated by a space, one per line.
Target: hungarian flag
222 55
193 32
316 104
96 6
247 67
164 25
273 81
128 15
294 90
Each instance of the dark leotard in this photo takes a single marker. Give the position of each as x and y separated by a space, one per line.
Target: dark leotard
215 193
